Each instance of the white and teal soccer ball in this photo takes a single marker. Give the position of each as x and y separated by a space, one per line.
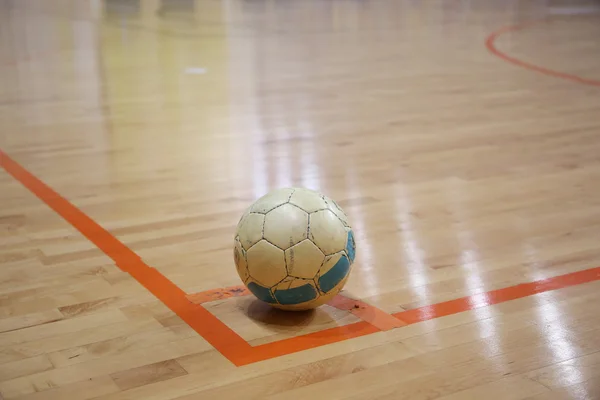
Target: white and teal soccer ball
294 248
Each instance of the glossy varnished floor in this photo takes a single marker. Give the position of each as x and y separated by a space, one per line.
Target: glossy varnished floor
461 138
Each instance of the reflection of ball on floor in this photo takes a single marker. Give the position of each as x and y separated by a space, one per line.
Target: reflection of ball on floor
294 249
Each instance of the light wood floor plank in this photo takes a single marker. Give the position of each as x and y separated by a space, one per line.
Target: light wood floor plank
461 138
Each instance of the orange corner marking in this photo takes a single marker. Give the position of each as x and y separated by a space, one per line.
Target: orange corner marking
219 335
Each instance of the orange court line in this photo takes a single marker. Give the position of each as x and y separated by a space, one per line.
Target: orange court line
498 296
490 43
225 340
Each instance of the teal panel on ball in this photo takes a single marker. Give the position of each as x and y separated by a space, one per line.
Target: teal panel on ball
261 292
335 275
296 295
351 246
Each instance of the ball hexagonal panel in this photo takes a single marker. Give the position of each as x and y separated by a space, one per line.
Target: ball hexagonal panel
239 256
250 229
295 291
285 226
271 200
304 259
266 264
327 231
308 200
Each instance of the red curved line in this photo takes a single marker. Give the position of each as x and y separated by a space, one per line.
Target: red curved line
489 43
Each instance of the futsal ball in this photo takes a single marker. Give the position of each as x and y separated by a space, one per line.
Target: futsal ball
294 249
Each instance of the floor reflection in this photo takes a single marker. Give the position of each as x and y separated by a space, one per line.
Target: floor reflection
417 271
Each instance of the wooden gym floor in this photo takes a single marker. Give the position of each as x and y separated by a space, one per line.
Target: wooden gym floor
460 136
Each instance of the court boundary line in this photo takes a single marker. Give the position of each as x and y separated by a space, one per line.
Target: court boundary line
490 44
226 341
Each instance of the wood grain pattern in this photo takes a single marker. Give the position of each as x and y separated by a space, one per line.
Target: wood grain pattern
28 366
461 174
147 374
